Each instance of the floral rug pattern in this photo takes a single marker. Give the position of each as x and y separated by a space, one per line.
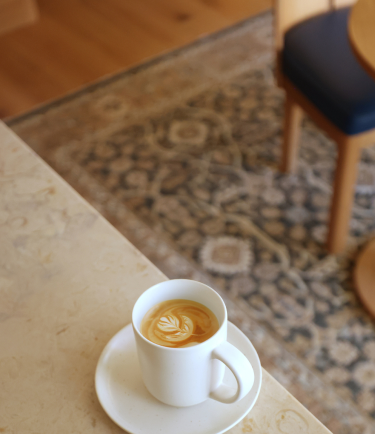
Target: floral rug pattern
191 178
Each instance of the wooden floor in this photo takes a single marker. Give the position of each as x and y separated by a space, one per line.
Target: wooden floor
76 42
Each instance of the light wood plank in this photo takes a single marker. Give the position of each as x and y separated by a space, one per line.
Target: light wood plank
76 42
17 13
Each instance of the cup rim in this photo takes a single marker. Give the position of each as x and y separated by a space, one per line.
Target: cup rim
135 328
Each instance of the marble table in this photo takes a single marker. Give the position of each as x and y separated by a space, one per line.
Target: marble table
68 282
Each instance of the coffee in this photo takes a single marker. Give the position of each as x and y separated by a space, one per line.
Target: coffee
179 323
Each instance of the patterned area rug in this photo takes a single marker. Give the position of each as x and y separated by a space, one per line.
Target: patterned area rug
181 155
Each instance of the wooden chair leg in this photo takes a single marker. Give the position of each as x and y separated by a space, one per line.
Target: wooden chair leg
349 153
292 127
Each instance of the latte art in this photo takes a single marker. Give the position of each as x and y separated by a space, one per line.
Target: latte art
172 330
179 323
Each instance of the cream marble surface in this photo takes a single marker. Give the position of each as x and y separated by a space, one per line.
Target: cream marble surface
68 281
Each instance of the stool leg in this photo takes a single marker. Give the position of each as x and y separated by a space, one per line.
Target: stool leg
343 194
292 127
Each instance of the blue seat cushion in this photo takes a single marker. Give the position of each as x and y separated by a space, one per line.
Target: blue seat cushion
318 59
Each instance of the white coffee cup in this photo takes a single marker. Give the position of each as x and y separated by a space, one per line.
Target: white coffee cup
187 376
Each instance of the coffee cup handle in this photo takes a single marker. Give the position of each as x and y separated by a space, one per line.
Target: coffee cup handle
241 369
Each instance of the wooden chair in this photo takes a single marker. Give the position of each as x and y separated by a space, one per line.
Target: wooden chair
351 136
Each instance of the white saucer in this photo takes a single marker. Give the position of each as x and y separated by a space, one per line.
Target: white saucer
127 402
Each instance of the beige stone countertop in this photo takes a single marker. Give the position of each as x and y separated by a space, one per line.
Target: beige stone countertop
68 282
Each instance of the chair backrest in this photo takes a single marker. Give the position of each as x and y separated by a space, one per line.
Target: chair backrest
290 12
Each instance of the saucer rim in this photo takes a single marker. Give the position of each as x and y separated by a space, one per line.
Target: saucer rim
127 429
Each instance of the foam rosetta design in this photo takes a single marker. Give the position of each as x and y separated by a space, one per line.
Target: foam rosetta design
174 330
179 323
